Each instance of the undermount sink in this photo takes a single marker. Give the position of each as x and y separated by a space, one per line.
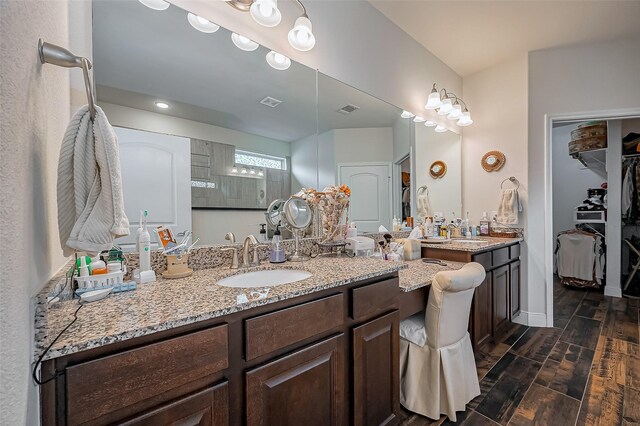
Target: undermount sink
266 278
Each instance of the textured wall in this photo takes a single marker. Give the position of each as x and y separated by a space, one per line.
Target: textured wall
34 111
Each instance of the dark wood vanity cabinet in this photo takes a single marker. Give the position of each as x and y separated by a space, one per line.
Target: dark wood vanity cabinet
327 358
496 302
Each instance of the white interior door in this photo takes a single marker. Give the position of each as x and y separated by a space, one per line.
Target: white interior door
371 202
156 176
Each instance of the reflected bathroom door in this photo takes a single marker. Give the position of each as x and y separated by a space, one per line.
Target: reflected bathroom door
156 176
370 185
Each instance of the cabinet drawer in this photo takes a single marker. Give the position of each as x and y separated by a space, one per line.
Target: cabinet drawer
109 384
209 407
279 329
514 251
373 299
500 256
484 259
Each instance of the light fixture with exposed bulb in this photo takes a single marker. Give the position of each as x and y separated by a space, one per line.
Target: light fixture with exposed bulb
418 119
278 61
465 119
244 43
433 101
449 105
234 169
266 12
407 114
155 4
201 24
301 35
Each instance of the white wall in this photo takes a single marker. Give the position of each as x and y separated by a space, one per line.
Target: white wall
570 180
304 163
445 192
326 160
355 44
585 79
363 145
499 99
35 111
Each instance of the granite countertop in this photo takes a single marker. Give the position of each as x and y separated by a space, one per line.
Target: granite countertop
420 274
483 244
167 304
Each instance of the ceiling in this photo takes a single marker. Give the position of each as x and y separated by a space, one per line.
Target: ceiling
142 55
470 36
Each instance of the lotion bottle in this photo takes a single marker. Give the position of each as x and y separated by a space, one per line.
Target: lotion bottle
484 224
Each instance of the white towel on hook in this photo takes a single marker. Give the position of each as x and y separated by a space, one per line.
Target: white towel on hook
90 201
509 207
423 203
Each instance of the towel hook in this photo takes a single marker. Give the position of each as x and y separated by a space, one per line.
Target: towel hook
56 55
513 180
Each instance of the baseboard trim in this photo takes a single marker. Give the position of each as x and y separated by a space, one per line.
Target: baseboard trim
612 291
531 319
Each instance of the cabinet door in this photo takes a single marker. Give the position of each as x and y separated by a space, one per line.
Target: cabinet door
306 387
209 407
500 281
481 319
376 375
514 278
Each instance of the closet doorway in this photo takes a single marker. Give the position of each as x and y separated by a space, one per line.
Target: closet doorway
588 157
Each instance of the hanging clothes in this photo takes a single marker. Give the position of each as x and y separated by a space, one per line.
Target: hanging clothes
580 258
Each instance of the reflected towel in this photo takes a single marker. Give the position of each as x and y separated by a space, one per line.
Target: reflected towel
423 203
509 207
90 201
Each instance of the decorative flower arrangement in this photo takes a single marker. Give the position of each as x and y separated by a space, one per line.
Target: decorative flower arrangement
334 202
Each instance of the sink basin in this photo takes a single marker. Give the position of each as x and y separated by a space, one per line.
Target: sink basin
266 278
470 241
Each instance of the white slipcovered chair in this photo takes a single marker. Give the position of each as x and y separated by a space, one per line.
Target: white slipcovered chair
437 366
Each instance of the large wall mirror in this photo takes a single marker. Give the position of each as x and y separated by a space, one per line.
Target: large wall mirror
236 133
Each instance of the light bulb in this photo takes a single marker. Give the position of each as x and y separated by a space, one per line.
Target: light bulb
202 24
465 119
278 61
252 172
301 35
244 171
407 114
244 43
456 112
234 169
266 12
419 119
429 123
260 173
155 4
445 107
440 129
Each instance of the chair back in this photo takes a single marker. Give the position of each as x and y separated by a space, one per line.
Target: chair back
447 318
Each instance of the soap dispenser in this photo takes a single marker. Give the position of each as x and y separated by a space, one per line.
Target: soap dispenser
263 233
276 251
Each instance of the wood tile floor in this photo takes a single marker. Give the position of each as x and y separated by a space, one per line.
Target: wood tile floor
584 371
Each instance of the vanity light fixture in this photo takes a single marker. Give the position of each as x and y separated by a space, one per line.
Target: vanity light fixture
418 119
265 12
301 35
244 43
244 171
449 104
162 105
465 119
260 173
430 123
407 114
278 61
201 24
440 129
155 4
252 171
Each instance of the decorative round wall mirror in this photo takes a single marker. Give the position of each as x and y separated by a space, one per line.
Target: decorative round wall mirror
438 169
493 161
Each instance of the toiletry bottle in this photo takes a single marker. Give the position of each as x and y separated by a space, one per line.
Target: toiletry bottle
263 233
276 251
84 269
484 224
144 245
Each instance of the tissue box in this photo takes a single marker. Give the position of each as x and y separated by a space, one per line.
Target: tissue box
360 246
412 248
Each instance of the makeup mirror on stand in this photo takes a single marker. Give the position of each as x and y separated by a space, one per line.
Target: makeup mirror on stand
298 216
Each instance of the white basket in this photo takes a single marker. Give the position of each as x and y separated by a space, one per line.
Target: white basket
96 282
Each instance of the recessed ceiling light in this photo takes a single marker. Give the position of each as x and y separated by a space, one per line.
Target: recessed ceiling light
202 24
155 4
162 105
278 61
244 43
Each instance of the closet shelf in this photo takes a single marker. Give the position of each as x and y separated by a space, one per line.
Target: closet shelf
595 159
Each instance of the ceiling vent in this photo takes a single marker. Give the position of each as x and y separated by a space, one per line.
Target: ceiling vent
348 109
270 102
